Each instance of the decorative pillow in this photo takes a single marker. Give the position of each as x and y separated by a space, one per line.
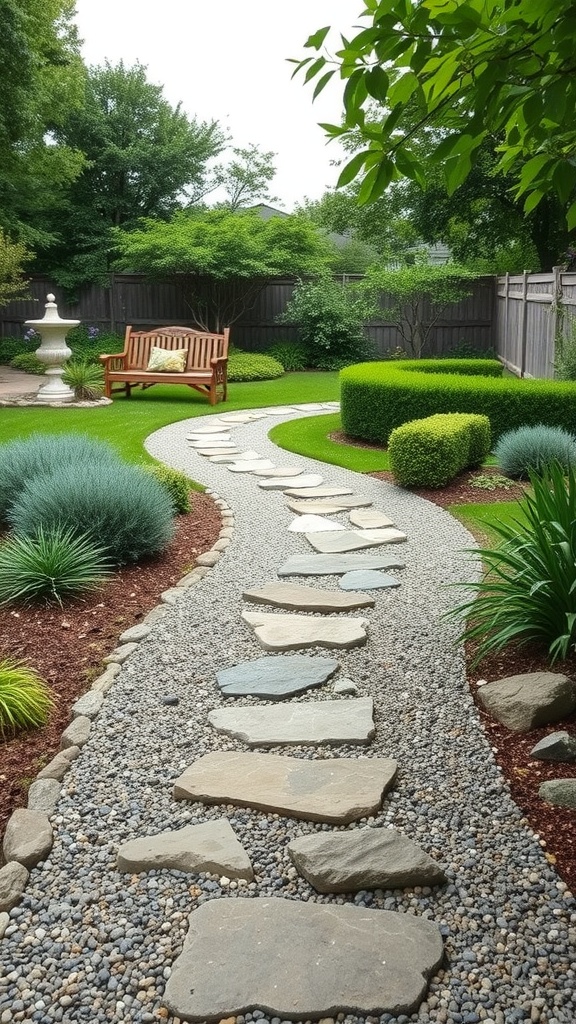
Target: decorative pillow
163 361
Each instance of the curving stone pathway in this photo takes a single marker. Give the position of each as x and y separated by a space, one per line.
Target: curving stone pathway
91 943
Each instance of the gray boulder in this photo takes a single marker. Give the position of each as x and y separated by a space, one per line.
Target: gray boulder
28 837
13 878
530 700
558 746
561 792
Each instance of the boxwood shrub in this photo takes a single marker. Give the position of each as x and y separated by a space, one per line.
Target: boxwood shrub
377 397
247 366
432 451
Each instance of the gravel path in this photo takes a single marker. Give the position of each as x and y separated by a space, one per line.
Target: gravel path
87 944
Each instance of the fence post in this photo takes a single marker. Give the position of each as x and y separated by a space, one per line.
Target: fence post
556 309
524 322
506 301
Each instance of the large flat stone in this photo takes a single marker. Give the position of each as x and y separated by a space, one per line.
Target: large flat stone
367 858
351 540
28 837
212 847
526 701
327 506
276 677
301 961
210 453
281 483
214 443
297 632
319 722
294 595
370 519
317 492
279 471
234 455
240 417
337 790
248 466
314 524
367 579
335 565
208 437
209 429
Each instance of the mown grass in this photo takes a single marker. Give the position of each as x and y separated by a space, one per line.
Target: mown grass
479 517
127 422
309 436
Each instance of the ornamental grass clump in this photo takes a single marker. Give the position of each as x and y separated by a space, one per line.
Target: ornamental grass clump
85 378
528 590
535 448
120 507
50 565
39 454
25 700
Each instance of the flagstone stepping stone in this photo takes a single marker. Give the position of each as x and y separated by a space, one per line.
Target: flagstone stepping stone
336 790
212 428
367 579
214 443
367 858
279 632
327 506
317 492
314 524
213 452
212 846
248 466
209 435
293 595
342 960
316 723
370 519
387 536
279 471
234 455
348 540
241 417
280 410
303 481
310 407
335 565
275 677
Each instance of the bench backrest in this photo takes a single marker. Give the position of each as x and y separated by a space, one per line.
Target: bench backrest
201 347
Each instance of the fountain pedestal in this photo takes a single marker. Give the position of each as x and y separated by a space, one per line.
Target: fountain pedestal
54 352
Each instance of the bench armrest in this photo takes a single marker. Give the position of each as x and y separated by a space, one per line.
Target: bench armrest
218 360
107 360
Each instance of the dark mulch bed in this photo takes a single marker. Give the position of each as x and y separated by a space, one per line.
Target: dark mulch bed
66 645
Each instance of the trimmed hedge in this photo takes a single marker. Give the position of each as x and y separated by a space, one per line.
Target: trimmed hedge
247 366
432 451
377 397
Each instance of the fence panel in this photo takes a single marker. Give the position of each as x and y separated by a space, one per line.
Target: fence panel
533 311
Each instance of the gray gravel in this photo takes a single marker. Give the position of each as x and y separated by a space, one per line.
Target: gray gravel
88 944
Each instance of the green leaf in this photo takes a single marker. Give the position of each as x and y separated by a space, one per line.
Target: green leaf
571 217
314 68
376 181
377 83
321 83
315 41
352 168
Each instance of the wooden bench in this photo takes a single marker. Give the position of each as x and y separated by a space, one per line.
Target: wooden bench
206 361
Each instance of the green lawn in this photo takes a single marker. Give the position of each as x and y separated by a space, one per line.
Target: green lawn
126 423
309 437
480 516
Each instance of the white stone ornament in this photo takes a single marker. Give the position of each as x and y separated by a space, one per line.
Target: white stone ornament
54 352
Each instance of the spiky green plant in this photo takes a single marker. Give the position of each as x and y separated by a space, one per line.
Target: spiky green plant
85 378
50 565
528 590
25 699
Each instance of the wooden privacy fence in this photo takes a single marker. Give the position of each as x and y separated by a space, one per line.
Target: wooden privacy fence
133 299
532 312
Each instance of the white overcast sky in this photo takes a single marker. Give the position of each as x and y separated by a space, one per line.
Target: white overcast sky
226 60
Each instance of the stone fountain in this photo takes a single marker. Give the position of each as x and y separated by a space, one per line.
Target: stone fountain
54 352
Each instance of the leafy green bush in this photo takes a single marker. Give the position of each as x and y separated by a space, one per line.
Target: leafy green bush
88 343
377 397
432 451
28 362
330 318
291 354
246 366
85 378
25 700
176 484
528 591
120 507
11 347
536 448
50 565
39 454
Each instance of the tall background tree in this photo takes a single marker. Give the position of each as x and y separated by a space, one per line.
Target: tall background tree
475 72
246 178
143 158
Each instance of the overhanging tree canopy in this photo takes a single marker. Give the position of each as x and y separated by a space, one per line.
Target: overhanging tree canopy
503 69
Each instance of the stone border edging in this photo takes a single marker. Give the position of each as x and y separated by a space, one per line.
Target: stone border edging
28 829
